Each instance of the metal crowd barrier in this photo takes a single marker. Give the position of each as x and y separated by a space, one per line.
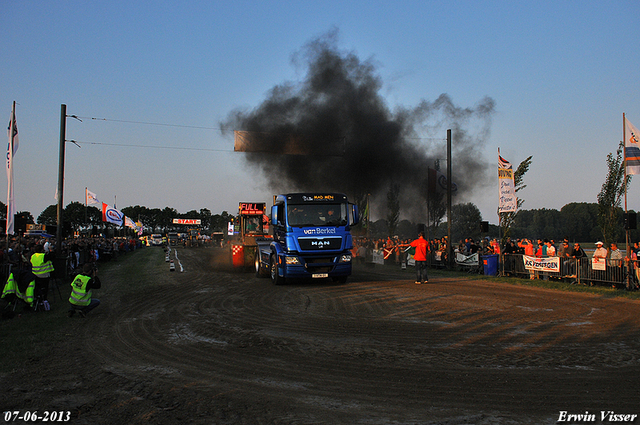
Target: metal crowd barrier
579 271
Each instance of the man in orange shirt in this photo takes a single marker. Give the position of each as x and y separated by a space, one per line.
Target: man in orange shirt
422 247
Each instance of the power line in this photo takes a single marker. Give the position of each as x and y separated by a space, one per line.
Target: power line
150 146
207 128
149 123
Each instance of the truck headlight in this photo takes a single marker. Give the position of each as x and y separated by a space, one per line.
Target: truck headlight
292 261
345 258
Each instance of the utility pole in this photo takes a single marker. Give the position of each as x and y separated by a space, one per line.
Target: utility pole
449 196
63 131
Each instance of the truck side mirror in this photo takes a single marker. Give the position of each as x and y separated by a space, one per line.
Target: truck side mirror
274 215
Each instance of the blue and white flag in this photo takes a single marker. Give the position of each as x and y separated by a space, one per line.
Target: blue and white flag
631 148
91 198
112 215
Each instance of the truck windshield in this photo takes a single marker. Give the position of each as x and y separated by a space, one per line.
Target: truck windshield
307 215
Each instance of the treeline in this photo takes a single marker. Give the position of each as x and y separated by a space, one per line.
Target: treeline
575 221
78 217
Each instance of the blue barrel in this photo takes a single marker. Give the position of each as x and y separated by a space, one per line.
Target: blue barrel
490 264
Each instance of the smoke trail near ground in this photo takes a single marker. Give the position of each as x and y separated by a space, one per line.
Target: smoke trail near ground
354 142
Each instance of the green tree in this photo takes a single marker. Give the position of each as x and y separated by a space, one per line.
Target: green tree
49 217
166 218
610 196
507 219
580 221
205 218
437 208
76 215
465 221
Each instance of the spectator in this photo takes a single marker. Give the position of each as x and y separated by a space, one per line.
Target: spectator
422 247
615 252
615 262
551 249
600 253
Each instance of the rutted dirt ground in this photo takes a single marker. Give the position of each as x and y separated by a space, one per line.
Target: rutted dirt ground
211 347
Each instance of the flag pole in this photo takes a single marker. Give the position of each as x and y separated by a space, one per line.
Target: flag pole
626 211
625 164
10 200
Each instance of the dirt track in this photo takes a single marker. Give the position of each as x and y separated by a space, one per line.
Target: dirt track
206 346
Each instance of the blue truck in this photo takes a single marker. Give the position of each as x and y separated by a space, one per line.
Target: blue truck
311 238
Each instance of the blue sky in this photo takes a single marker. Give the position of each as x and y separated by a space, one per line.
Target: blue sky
561 74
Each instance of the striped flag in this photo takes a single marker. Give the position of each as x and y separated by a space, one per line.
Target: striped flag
631 148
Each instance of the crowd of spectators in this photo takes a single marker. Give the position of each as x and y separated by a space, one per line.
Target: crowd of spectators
570 254
75 251
393 248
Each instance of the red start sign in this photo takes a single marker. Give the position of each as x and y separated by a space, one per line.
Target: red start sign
247 208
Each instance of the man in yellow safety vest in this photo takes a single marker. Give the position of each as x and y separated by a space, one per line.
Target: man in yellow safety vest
41 266
81 293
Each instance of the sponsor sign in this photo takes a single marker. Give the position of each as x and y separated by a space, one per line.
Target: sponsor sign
467 260
598 264
320 231
313 198
508 200
247 208
378 256
549 264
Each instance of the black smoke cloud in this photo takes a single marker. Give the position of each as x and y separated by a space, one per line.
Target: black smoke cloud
355 144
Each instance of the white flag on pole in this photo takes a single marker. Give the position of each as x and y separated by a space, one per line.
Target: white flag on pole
91 198
507 190
631 148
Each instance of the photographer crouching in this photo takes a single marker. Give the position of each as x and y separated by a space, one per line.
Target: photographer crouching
81 287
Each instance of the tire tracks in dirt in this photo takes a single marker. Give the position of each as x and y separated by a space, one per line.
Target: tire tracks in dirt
378 347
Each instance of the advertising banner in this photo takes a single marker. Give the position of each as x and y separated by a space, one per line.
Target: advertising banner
467 260
506 186
598 264
549 264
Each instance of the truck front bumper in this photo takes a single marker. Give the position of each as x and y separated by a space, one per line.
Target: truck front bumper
311 267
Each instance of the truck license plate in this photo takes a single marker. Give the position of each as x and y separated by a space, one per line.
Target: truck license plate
319 275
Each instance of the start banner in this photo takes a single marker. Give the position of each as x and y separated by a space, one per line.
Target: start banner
195 221
548 264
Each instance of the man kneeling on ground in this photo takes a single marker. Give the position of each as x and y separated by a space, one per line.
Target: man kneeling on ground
81 287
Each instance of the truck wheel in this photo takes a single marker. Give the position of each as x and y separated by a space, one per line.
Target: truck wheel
259 270
273 266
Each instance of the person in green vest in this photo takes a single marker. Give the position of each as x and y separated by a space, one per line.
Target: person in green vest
42 266
81 291
21 284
